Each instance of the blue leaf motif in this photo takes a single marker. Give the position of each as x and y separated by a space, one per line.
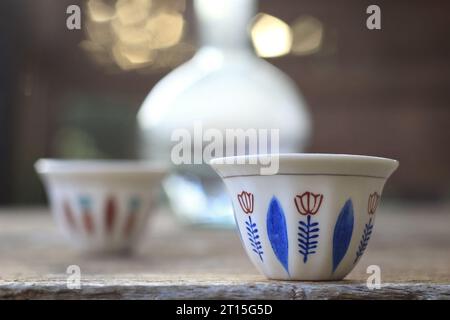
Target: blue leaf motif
364 240
343 231
277 232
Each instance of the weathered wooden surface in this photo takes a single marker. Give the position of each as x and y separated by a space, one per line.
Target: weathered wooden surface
237 287
410 244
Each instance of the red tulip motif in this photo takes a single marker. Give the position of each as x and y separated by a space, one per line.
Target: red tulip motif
69 214
110 214
373 203
246 201
308 203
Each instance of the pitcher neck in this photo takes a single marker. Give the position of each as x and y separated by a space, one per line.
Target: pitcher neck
224 24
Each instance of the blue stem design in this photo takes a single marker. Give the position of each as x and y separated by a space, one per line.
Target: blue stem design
307 237
364 240
253 237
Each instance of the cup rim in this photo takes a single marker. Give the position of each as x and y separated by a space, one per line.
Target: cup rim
306 164
51 166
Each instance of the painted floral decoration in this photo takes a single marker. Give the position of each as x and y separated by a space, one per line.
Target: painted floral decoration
373 203
246 201
308 203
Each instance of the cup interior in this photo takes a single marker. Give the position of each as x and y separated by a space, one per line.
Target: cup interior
99 168
305 164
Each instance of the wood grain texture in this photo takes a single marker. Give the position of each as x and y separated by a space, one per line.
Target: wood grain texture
239 288
410 244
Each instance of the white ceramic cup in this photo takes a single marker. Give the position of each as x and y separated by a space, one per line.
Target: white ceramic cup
313 219
101 206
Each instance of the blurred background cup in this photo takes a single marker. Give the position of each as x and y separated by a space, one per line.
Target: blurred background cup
101 206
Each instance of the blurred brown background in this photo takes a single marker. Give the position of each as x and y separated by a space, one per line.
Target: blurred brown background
384 92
